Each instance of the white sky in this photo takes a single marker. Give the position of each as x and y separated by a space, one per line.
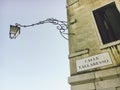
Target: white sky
38 58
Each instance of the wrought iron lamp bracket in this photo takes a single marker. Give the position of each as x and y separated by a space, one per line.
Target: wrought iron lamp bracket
60 25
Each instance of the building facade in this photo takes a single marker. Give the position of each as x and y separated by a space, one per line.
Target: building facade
94 44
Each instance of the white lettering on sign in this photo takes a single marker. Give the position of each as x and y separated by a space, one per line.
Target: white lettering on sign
93 62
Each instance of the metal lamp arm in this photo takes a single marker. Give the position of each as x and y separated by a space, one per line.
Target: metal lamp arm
61 25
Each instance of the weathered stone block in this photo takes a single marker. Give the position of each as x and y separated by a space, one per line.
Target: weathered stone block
82 78
106 73
111 83
89 86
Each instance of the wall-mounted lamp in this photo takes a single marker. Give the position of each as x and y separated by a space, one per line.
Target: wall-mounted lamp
14 31
61 26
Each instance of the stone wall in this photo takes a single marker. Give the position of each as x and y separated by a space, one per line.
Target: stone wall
107 79
85 41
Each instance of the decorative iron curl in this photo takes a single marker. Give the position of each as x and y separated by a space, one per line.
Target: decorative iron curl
60 25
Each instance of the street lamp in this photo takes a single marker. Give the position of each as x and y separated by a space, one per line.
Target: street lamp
61 26
14 31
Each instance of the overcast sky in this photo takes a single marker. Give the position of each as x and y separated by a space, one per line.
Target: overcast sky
38 58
